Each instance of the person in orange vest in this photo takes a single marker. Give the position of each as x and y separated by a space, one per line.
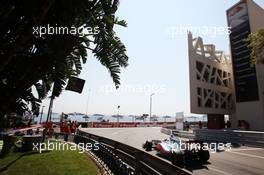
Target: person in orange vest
50 129
62 126
72 127
75 126
67 131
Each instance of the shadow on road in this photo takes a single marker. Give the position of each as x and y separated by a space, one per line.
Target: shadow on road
190 165
196 165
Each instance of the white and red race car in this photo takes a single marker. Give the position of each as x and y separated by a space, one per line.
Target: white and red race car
179 151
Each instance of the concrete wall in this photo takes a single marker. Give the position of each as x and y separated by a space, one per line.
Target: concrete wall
256 16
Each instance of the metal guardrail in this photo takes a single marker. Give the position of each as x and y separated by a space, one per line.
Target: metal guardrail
166 131
123 159
231 136
251 138
182 134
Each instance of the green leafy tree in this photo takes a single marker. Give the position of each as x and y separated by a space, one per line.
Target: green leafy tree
256 43
28 60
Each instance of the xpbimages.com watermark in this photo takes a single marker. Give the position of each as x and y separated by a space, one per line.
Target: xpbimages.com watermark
59 146
211 147
210 31
145 89
40 31
189 146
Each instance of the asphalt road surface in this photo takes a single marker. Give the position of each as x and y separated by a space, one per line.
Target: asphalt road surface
238 161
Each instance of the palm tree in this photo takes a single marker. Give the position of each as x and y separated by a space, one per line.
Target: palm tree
45 63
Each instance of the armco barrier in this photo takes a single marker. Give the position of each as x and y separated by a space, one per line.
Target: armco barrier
231 136
166 131
251 138
128 124
182 134
123 159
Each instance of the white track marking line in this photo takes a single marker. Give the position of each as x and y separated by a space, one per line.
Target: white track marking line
245 149
248 155
116 132
219 171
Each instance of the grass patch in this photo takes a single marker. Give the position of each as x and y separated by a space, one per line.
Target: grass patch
48 163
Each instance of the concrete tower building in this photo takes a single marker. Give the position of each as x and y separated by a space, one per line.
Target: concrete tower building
223 85
244 18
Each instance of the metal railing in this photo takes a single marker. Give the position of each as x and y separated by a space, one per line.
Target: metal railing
123 159
182 134
166 131
252 138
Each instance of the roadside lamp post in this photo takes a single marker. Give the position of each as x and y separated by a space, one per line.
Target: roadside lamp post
41 114
150 106
118 107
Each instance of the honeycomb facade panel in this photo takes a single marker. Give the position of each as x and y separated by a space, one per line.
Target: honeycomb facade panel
211 85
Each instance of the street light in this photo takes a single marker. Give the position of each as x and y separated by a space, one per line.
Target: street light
41 114
150 106
118 107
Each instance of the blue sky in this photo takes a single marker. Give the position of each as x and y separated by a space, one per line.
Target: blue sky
158 62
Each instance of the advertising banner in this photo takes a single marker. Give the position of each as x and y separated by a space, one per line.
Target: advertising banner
237 14
179 120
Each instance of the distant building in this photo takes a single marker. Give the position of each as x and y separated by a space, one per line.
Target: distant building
211 84
222 85
244 18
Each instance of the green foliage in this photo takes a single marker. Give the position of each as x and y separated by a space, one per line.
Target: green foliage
43 62
256 43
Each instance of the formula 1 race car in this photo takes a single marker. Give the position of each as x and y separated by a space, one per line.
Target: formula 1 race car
179 151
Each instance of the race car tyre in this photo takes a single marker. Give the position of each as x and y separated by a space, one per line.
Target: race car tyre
177 159
148 146
204 156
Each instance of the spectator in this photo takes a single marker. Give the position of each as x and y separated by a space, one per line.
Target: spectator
29 132
37 131
73 127
67 131
76 125
200 125
62 126
228 124
187 126
50 129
